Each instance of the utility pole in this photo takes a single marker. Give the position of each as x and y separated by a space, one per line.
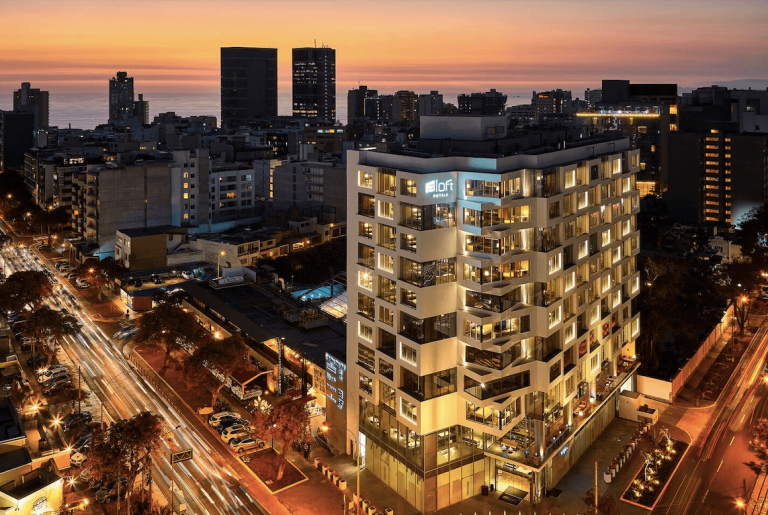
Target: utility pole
596 488
79 389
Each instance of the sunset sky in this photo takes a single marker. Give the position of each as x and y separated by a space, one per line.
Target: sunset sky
449 45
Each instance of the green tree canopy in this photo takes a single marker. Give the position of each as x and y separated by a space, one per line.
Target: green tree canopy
27 288
225 356
45 322
287 422
163 325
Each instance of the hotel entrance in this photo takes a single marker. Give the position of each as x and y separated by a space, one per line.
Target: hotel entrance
512 481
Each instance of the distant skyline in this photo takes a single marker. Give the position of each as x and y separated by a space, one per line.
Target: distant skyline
172 46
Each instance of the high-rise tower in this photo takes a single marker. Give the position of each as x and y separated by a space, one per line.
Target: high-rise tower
120 95
248 84
314 83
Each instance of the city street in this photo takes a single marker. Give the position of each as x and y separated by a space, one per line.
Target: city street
209 483
715 475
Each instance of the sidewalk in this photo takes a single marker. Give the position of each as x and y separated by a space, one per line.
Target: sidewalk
687 396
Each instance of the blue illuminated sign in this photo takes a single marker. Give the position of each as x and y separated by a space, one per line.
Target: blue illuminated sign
334 374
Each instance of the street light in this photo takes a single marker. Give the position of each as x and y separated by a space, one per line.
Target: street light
218 263
324 428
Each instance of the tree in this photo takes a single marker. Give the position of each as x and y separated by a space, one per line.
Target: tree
26 288
100 273
163 326
606 505
287 422
126 447
224 357
737 282
46 322
175 297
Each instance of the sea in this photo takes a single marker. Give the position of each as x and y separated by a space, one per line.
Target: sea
87 110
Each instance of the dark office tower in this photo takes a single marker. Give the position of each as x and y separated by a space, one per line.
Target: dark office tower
356 102
34 101
120 96
488 103
248 84
314 83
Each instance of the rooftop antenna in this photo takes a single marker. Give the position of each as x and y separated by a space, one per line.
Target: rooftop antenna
315 43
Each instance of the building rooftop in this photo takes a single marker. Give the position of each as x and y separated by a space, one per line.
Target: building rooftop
254 314
152 231
10 424
14 459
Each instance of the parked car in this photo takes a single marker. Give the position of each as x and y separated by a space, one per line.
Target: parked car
58 378
61 263
108 492
26 346
35 361
244 444
75 418
44 248
81 443
46 376
83 284
156 279
229 422
186 274
137 283
77 459
236 431
88 429
214 420
58 386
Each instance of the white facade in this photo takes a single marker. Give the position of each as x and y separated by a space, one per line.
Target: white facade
485 295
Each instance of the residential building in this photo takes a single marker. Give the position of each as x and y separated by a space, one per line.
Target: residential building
314 182
314 83
120 96
405 106
430 104
113 197
190 187
492 314
592 97
147 248
325 138
356 103
248 84
141 110
716 177
48 174
644 113
233 188
380 108
16 137
32 100
745 110
551 102
488 103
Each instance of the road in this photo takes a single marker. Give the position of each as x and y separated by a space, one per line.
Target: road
714 475
208 483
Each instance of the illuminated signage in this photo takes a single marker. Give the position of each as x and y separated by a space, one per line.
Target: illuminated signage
439 189
334 375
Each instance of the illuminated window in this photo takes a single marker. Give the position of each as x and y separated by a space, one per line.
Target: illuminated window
186 185
714 131
186 195
186 216
673 109
711 154
231 194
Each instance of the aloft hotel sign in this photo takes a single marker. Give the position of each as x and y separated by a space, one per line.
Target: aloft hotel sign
441 187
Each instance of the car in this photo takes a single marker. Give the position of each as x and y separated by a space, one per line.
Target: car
122 332
57 387
18 335
88 429
26 346
50 380
77 459
229 422
36 361
81 443
130 333
83 285
236 431
156 279
108 492
59 264
51 374
244 444
44 248
214 420
186 274
75 418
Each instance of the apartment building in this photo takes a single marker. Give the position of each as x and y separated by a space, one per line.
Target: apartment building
311 183
492 315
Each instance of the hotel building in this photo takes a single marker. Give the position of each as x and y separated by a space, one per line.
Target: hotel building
492 314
